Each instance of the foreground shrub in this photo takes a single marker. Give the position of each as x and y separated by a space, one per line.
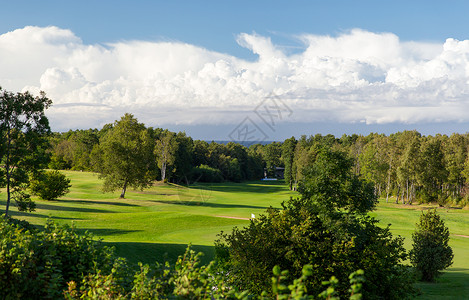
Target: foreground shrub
50 185
294 236
38 264
328 228
431 253
56 262
188 280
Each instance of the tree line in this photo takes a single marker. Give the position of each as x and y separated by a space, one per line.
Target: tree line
406 165
127 153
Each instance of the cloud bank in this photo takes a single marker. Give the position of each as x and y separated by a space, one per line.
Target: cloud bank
354 77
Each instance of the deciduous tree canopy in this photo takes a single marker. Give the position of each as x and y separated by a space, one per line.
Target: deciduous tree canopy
326 228
23 126
124 157
431 252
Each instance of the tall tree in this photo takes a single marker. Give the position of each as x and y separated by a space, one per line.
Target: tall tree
455 149
374 166
288 154
23 126
407 172
165 149
125 156
183 162
329 181
271 155
432 172
305 154
239 152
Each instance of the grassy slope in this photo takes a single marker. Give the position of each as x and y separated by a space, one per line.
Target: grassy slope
165 218
162 219
454 284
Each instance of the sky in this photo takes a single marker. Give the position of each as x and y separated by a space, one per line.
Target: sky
243 70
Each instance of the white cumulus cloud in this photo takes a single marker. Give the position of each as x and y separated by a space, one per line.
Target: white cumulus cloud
356 76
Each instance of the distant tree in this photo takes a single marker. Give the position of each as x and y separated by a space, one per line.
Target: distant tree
373 164
201 153
50 185
288 155
408 170
432 173
255 167
430 250
125 155
61 152
72 149
271 155
165 149
230 168
304 156
204 173
234 170
183 162
330 183
23 126
455 150
239 152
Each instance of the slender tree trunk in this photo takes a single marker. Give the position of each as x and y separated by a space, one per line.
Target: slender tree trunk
412 193
398 193
163 171
407 192
123 190
388 184
387 189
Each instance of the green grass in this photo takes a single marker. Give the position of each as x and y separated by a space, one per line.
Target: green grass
159 222
454 283
161 219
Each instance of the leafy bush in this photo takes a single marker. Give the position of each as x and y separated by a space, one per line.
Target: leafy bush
430 252
56 262
187 280
204 173
38 264
328 228
296 236
50 185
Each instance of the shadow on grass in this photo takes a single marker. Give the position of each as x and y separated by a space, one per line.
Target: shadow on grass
15 213
150 253
196 202
451 285
104 231
257 186
70 208
86 202
54 207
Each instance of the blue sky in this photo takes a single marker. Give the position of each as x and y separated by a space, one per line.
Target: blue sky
214 24
340 66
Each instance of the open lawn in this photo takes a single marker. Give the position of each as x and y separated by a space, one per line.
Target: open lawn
160 221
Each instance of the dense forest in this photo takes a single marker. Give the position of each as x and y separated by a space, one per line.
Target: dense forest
406 165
